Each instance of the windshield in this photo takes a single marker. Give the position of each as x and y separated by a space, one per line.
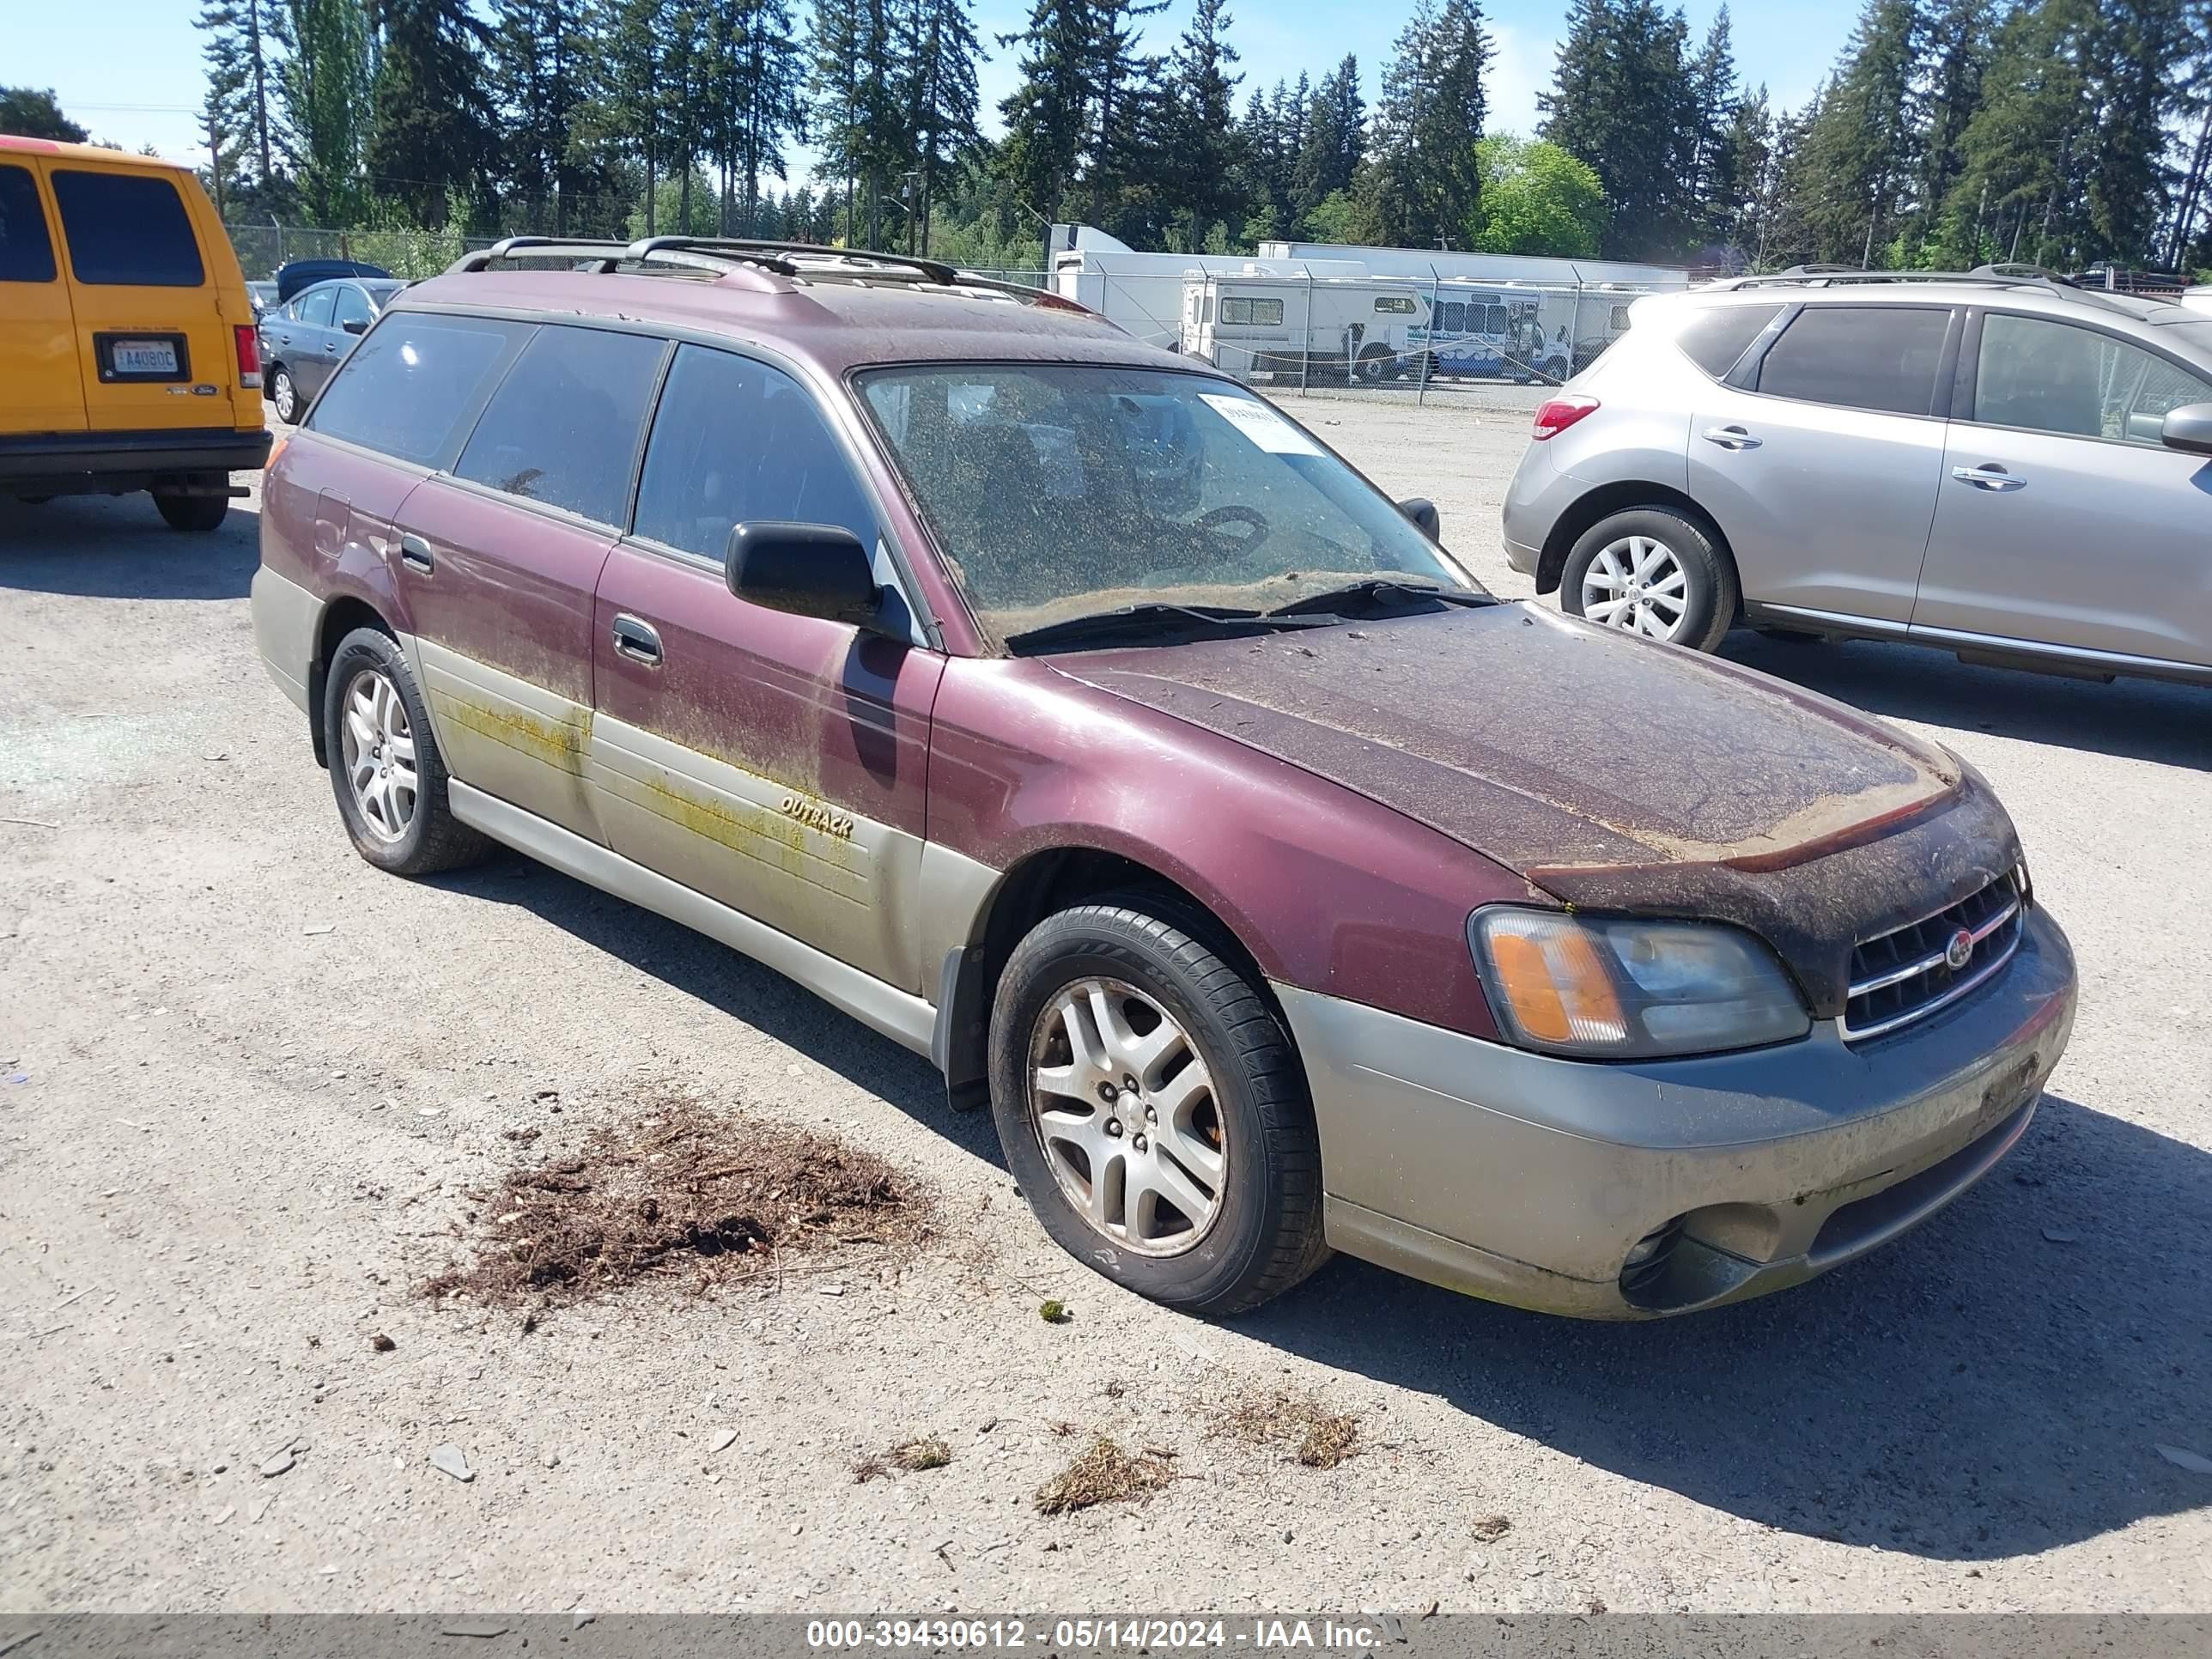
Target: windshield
1058 491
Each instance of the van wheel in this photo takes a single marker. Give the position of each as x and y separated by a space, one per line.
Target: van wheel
1652 572
1153 1108
196 514
385 765
1373 364
284 393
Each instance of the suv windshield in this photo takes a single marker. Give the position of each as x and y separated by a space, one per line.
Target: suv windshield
1058 491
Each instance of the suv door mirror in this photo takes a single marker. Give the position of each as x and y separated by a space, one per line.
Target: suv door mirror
807 569
2188 428
1423 512
355 326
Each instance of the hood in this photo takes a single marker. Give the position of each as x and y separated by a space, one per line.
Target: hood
1604 770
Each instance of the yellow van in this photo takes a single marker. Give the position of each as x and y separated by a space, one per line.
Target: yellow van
128 359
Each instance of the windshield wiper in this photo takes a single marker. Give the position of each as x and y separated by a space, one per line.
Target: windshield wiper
1155 618
1377 588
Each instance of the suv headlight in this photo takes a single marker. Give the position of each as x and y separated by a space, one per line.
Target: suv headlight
1607 989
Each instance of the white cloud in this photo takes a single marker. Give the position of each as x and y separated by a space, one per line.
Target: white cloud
1520 68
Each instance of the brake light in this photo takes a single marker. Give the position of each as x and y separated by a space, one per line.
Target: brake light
1560 413
249 355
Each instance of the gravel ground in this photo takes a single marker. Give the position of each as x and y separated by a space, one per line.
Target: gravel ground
249 1083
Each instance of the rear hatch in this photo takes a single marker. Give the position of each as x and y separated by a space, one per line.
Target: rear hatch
152 280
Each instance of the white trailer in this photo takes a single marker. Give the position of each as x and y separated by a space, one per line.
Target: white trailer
1520 270
1263 326
1143 292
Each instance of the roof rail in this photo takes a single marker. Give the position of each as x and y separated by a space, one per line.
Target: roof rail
795 261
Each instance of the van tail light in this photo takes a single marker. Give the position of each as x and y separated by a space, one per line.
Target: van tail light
249 355
1560 413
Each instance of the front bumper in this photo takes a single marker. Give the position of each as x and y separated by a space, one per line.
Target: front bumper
1527 1179
75 463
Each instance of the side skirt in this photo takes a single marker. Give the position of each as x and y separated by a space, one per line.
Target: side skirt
907 1020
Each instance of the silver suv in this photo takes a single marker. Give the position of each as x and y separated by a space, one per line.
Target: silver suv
1997 464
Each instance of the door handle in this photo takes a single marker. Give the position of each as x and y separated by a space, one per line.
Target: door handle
1730 437
414 553
1989 476
637 639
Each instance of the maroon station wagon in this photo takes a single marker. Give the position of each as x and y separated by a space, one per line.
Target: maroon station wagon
1058 708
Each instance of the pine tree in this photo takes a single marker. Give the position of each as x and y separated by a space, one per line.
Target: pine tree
539 69
2139 44
627 106
1959 34
2021 183
1048 114
940 96
1621 100
1864 153
1422 184
323 86
430 137
1202 143
1335 140
1708 180
241 80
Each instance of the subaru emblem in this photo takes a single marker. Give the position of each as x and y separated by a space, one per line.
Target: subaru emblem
1959 951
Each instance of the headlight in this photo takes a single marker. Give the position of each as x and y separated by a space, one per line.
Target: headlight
1631 990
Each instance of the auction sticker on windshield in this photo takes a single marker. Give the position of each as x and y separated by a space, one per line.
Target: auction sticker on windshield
1261 424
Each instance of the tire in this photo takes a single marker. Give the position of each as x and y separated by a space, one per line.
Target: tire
285 395
1262 1232
1373 364
1707 592
195 514
409 837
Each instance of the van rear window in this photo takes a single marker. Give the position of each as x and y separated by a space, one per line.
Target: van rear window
127 230
27 253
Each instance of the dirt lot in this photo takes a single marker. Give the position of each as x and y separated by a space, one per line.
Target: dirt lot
250 1086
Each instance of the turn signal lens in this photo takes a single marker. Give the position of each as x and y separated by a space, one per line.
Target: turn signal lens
1558 990
1624 989
1562 412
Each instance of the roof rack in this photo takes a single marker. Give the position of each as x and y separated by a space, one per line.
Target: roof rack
790 259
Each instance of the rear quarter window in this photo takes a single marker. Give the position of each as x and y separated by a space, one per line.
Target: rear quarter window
409 386
1714 337
126 230
27 251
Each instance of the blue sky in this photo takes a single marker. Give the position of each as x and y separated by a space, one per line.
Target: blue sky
131 70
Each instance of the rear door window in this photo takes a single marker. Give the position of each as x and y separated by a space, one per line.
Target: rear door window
736 439
314 306
562 429
410 388
1714 337
27 252
1878 357
126 230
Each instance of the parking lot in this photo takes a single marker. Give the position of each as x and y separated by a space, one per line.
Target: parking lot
247 1085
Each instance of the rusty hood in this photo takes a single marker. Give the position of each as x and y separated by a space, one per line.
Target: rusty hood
1607 771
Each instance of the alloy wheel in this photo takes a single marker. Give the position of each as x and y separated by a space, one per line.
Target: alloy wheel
379 745
287 399
1125 1110
1637 584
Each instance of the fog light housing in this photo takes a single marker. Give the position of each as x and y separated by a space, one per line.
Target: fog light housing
1646 1260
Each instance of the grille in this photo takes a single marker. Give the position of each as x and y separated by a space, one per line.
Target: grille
1907 974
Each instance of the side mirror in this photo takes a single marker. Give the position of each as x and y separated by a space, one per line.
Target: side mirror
1423 512
355 326
806 569
2188 428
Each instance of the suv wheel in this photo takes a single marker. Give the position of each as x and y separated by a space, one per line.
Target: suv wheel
1654 572
196 514
284 393
385 765
1153 1111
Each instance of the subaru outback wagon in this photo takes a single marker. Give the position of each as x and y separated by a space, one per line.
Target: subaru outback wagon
1995 464
1063 711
